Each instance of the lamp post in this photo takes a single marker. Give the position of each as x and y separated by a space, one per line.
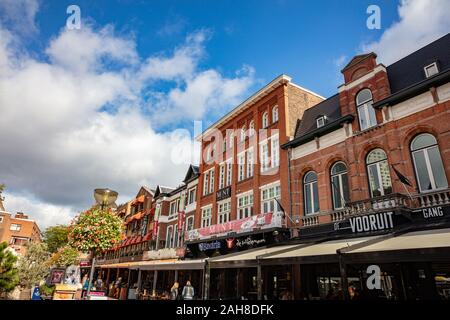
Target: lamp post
104 198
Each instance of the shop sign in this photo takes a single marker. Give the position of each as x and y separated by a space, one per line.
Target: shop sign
261 221
230 243
209 245
85 263
249 241
433 212
372 222
167 253
223 193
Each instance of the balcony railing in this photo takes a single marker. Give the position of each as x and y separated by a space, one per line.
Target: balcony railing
436 198
395 200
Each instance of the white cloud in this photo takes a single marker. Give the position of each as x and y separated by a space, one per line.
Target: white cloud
59 143
421 22
49 214
20 15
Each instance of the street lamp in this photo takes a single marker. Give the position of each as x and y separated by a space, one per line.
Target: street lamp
105 198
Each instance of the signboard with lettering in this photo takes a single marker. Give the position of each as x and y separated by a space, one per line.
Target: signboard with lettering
235 227
203 246
433 213
223 193
377 222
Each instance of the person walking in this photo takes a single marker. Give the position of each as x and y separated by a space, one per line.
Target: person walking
188 291
174 291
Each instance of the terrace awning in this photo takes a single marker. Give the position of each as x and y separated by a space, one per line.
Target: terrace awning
168 264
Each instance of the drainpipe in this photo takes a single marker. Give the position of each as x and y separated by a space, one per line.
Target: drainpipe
289 183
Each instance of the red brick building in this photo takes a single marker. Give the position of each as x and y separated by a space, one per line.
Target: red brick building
18 230
243 171
346 148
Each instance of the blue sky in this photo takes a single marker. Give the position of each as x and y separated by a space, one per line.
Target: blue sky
300 38
113 104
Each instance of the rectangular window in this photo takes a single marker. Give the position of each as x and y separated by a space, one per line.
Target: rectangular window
192 194
250 162
211 181
173 207
222 176
1 219
190 223
229 172
275 152
223 211
241 166
264 156
320 122
431 70
268 196
206 217
245 206
205 183
15 227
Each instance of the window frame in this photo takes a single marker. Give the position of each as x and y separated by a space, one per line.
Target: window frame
275 114
339 177
431 65
364 106
430 173
265 119
207 218
310 185
379 177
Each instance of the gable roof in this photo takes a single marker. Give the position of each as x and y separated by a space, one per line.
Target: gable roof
192 173
161 190
357 59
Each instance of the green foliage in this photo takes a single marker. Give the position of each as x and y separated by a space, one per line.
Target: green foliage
95 230
33 267
64 257
47 290
9 277
56 237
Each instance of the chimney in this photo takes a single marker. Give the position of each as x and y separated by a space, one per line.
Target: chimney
21 215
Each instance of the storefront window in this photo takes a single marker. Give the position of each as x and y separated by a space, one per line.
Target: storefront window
378 171
311 193
428 163
339 185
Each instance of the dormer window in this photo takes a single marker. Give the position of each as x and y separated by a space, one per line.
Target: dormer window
320 121
431 70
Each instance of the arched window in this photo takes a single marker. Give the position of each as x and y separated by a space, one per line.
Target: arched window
311 193
265 120
275 114
378 171
366 113
169 237
339 185
252 127
430 171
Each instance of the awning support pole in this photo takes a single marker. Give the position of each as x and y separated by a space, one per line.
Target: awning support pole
343 270
139 280
259 280
206 281
155 279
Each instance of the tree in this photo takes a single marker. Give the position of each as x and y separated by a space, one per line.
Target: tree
33 267
95 230
56 237
64 257
9 277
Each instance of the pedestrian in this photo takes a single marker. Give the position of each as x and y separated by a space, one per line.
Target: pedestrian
174 291
85 286
188 291
99 284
